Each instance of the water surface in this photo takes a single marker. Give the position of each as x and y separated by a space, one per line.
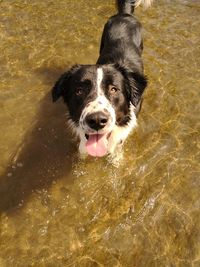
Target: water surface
57 210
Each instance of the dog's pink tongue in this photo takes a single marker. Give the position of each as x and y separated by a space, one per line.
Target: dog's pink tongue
96 145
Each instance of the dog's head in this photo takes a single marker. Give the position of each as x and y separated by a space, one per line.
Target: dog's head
98 98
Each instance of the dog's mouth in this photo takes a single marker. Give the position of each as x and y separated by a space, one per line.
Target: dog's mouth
97 144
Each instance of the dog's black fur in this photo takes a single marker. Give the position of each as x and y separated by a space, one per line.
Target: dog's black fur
121 63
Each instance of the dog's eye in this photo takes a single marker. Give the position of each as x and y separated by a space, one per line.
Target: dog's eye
79 91
112 89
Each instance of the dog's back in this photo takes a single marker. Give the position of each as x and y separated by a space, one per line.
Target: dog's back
122 38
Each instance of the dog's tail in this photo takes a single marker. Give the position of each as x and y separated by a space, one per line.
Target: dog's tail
127 6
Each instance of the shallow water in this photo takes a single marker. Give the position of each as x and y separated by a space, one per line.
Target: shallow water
59 211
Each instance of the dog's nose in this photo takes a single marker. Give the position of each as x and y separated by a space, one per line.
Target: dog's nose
97 121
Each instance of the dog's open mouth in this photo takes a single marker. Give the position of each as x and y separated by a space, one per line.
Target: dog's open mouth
97 144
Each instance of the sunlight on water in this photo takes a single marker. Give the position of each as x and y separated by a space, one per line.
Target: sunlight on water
58 210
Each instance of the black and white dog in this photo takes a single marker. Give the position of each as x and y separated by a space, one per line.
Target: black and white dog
103 99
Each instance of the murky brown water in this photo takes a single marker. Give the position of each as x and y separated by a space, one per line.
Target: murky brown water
60 211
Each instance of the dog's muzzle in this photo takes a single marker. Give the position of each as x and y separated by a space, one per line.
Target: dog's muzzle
97 122
98 132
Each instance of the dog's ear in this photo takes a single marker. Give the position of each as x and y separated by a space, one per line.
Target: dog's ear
135 84
59 87
63 83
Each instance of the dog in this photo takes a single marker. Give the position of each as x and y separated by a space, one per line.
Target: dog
103 100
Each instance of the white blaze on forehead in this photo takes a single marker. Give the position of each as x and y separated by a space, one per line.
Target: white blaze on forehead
99 80
99 104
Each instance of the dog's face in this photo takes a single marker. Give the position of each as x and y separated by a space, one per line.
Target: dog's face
98 99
